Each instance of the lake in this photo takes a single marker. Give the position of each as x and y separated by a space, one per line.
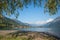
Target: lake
53 31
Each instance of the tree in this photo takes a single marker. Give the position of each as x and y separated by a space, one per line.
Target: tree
11 6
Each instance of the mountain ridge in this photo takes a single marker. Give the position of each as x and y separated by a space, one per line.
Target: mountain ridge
53 24
7 23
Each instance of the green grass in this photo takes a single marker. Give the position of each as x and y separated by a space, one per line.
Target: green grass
7 37
12 38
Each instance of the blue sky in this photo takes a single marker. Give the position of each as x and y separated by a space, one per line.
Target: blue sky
35 15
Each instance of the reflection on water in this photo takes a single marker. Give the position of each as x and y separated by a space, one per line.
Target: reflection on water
36 29
54 31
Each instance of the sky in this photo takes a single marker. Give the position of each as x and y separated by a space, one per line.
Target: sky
35 15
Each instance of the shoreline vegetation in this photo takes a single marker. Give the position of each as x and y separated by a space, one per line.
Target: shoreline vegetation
25 35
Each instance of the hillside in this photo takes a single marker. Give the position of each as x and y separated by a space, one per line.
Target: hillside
7 23
54 24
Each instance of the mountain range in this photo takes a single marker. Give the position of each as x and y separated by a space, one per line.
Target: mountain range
54 24
7 23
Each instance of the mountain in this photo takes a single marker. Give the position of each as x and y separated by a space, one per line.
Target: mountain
54 24
7 23
36 25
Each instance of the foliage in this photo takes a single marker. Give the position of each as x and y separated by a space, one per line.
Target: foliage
52 6
12 6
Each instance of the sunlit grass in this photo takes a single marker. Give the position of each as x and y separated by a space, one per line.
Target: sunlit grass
26 38
13 38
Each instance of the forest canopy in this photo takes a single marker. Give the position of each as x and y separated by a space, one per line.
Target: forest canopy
11 6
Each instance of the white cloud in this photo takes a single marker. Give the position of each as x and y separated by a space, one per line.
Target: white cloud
41 22
49 20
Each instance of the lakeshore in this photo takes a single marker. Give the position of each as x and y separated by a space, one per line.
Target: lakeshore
25 35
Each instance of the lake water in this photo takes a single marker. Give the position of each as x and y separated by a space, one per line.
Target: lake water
36 29
53 31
